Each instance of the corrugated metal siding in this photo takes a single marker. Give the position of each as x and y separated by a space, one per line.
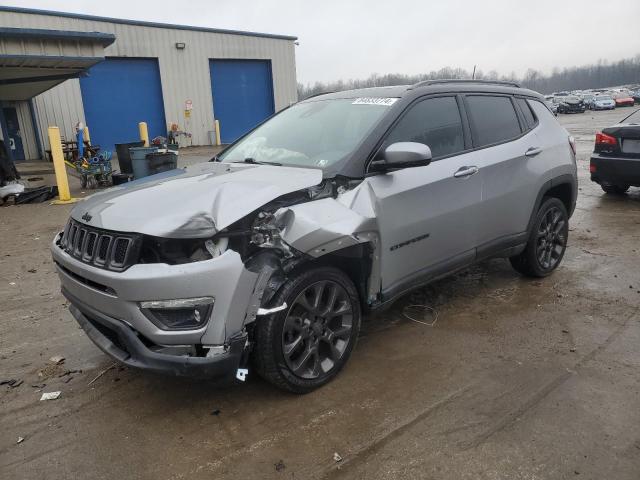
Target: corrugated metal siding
184 73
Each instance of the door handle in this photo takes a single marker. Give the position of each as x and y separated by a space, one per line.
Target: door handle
533 151
464 172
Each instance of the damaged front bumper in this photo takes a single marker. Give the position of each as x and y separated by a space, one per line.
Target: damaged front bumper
123 343
107 305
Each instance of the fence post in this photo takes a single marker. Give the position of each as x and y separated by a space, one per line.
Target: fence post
144 133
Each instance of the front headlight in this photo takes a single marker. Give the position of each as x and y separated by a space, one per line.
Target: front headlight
178 314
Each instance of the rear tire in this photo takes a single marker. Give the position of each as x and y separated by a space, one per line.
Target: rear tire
305 346
615 189
547 241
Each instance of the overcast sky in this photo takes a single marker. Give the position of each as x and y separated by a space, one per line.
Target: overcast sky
342 39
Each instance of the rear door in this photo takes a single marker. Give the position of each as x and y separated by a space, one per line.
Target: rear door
427 215
506 146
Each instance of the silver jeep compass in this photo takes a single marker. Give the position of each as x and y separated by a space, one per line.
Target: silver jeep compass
271 253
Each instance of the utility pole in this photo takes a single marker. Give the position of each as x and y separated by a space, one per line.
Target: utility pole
473 77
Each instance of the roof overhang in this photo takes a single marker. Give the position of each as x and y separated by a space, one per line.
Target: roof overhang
33 61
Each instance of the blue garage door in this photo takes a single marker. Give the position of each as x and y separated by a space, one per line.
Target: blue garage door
242 95
117 95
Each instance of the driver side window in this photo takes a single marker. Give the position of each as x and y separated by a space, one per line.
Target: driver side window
435 122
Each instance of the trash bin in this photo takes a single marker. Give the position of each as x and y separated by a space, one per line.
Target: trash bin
161 162
124 158
139 162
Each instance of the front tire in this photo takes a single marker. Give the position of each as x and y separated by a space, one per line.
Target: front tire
547 241
305 346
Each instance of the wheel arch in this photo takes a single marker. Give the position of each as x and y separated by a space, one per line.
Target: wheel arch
564 188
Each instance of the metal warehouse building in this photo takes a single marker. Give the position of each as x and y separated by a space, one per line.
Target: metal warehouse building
159 73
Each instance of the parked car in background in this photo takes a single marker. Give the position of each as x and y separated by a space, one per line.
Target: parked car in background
615 162
571 104
588 99
624 101
603 102
636 96
334 207
552 106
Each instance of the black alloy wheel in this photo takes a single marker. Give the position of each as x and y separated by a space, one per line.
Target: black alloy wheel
317 329
551 240
547 241
306 345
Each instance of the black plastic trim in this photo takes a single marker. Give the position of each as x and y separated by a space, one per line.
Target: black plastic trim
131 351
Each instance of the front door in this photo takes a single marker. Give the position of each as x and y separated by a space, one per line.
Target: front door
427 215
13 130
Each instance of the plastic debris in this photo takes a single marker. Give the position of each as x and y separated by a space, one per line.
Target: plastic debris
20 440
337 457
11 189
50 396
241 374
280 466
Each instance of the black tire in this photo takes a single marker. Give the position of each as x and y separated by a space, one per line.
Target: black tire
310 333
615 189
547 241
83 181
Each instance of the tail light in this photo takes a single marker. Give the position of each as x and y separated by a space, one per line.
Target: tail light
572 144
592 168
604 139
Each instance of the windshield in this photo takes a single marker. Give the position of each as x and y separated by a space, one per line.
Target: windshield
603 97
314 134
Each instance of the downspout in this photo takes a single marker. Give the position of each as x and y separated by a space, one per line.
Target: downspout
36 130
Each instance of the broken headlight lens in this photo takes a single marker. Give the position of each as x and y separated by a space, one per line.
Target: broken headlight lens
179 314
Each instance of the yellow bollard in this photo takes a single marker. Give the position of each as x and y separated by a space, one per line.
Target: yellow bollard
218 132
144 133
64 195
85 136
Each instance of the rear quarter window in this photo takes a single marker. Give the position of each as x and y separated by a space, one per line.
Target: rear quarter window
529 117
493 119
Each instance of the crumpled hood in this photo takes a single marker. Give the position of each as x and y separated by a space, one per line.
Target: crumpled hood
193 202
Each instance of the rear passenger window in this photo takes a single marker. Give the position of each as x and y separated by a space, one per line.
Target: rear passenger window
435 122
529 118
493 119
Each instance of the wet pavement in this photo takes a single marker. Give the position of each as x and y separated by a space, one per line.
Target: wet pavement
517 378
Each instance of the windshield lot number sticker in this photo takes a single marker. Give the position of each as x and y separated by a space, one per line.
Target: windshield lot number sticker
387 102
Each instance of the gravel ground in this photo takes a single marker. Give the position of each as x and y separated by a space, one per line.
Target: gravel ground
518 379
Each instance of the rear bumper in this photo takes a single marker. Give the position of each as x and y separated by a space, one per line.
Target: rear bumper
615 171
123 343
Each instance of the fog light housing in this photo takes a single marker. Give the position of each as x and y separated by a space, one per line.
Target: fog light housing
178 314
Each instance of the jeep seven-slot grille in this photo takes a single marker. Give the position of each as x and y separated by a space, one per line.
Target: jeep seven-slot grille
101 248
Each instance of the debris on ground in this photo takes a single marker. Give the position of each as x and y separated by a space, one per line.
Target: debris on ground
110 367
216 412
50 396
39 385
572 349
32 270
337 457
20 440
412 311
69 372
280 466
57 359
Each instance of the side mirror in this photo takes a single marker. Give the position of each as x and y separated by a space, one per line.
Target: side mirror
406 155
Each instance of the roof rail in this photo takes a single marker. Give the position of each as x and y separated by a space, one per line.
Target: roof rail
468 80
